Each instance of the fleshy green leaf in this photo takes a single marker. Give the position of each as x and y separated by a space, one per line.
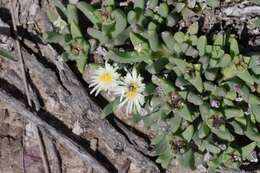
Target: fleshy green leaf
194 98
126 57
246 150
109 108
179 37
211 148
55 37
204 130
233 112
175 123
185 113
201 46
121 23
88 11
187 159
226 135
188 133
100 36
60 6
213 3
193 28
234 49
246 76
163 9
254 64
252 133
256 112
5 54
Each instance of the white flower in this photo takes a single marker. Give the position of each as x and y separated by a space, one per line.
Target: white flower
131 92
104 79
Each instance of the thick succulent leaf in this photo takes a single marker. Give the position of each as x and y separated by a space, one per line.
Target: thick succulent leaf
157 139
152 3
139 4
166 85
179 37
188 133
88 11
100 36
109 108
81 62
75 30
194 40
246 150
175 123
204 111
196 81
5 54
187 13
165 158
211 148
237 127
172 19
162 146
150 119
219 40
246 76
211 74
201 45
168 40
257 20
187 159
127 57
233 112
60 6
185 113
150 88
55 37
252 133
182 65
203 130
121 38
193 28
108 3
226 135
157 66
153 39
163 9
72 14
121 23
224 61
217 52
256 112
234 49
194 98
138 42
213 3
229 72
192 52
228 160
254 99
254 64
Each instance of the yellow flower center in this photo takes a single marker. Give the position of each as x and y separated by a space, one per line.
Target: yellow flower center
139 48
132 91
106 78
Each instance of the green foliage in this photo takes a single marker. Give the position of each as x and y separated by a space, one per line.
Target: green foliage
204 93
5 54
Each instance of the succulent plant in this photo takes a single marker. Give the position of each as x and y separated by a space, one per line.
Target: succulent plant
201 96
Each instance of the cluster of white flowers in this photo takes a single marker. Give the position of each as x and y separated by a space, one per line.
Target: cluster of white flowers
129 88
